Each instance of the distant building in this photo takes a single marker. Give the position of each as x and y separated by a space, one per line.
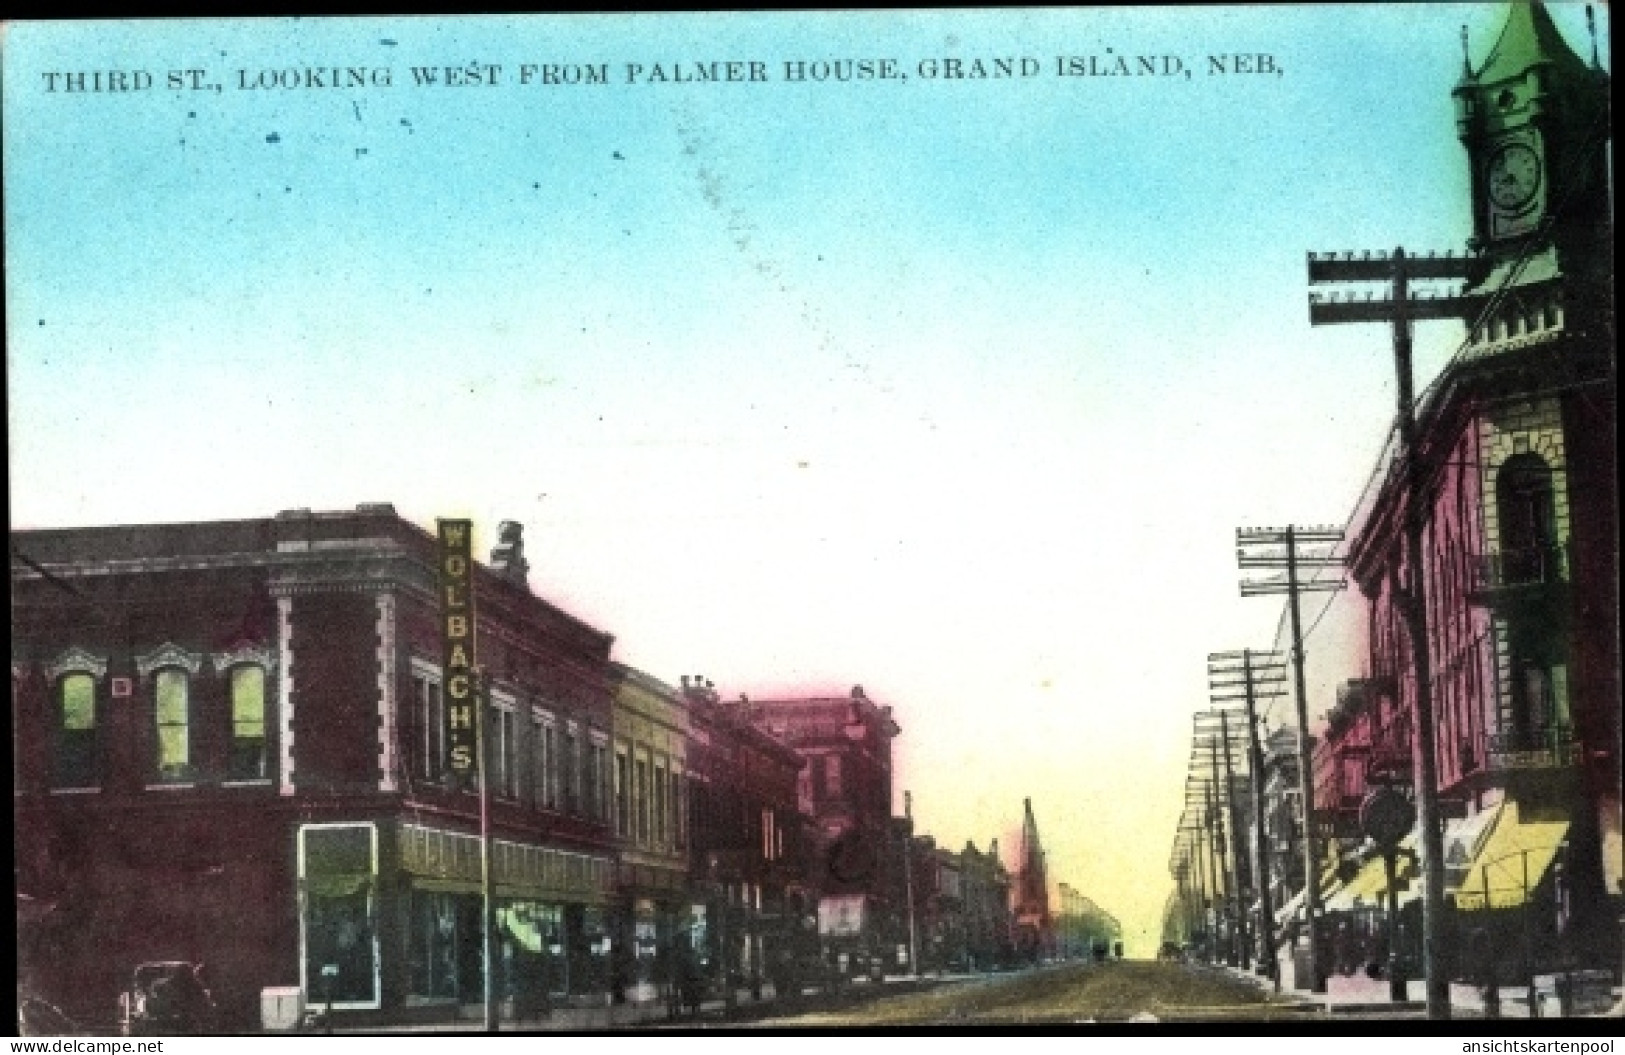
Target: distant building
1282 826
846 790
985 892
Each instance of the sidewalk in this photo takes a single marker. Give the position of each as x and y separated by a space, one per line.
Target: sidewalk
1359 995
650 1013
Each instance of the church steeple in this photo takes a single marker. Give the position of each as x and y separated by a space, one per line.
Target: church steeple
1032 883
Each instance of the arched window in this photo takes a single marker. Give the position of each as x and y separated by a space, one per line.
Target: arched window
1523 503
173 714
247 757
76 732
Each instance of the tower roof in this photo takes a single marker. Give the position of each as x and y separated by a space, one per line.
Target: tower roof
1528 39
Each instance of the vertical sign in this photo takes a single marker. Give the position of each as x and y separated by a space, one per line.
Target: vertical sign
457 634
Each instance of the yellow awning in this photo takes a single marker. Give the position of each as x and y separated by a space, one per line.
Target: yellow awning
1368 888
1511 862
1361 890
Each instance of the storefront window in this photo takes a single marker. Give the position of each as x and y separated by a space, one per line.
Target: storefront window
337 871
432 944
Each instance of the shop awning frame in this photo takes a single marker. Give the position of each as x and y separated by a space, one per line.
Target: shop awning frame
1511 863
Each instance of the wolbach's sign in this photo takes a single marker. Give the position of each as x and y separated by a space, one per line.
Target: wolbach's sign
457 636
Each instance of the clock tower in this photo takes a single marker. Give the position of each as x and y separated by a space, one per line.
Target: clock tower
1534 119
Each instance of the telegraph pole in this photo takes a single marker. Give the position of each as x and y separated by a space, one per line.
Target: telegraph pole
1222 834
487 873
1281 551
1224 870
1226 829
1399 308
1200 849
908 878
1261 677
1238 856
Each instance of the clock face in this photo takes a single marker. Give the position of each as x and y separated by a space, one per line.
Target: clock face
1514 176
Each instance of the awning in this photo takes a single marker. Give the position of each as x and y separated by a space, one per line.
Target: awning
1510 863
1369 886
1462 841
526 931
1369 889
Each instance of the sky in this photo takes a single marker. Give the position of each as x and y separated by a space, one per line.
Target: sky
954 388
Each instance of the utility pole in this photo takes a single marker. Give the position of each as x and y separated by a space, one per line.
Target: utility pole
488 911
1194 852
1223 827
1219 868
1227 830
1399 308
1230 828
1262 674
908 879
1281 551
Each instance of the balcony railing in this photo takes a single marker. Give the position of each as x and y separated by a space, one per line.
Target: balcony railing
1548 747
1524 569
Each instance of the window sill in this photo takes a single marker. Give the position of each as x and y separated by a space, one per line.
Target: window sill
248 782
76 791
174 785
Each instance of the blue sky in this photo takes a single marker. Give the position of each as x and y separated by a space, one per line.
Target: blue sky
957 390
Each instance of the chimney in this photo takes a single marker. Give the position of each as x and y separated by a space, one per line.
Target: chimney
508 557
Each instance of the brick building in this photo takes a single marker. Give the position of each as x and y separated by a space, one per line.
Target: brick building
846 790
1519 506
988 927
750 902
228 750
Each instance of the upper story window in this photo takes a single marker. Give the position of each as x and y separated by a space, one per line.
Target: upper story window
570 772
642 800
171 669
248 757
537 763
500 755
76 739
430 707
550 778
660 805
804 789
172 716
1523 499
623 796
832 776
680 810
600 771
